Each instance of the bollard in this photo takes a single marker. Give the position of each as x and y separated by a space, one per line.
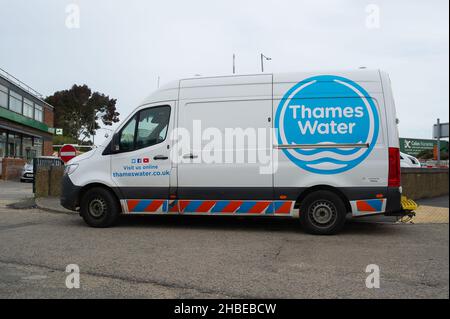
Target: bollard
56 174
42 178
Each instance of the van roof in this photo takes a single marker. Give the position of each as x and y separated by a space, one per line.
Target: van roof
170 90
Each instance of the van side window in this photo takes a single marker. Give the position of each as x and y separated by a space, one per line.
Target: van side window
126 139
152 126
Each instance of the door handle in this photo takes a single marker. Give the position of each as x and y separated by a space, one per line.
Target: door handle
191 156
160 157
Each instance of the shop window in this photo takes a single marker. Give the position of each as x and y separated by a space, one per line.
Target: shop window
10 147
37 146
2 143
14 145
28 151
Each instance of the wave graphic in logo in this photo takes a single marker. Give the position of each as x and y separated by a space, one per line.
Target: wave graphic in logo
327 109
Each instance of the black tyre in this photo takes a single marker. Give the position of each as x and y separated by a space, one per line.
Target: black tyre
99 208
322 213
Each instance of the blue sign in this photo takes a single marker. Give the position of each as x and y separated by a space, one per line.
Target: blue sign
327 109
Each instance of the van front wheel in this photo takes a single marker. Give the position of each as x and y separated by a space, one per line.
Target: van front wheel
322 213
99 208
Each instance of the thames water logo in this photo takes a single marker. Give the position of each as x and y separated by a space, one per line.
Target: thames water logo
327 110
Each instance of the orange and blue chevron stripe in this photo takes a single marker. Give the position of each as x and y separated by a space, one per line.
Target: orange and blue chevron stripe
238 207
146 205
368 206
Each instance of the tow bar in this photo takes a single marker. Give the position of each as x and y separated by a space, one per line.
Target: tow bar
409 207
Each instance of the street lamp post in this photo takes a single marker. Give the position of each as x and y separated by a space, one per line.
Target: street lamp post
263 57
94 121
438 135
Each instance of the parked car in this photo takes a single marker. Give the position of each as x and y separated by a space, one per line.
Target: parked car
409 161
27 174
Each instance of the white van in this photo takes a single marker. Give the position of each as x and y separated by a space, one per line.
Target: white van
408 161
303 145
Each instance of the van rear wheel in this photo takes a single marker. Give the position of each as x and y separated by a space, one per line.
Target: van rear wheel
99 208
322 213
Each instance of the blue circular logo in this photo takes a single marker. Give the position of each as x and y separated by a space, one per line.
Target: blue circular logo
328 110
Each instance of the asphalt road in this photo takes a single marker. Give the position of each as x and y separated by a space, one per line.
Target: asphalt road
189 257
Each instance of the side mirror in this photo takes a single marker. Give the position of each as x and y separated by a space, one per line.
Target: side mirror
115 143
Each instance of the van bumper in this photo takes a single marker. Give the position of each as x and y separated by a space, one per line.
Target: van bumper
69 194
394 200
394 204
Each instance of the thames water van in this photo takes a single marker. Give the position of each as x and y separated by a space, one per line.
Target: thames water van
313 146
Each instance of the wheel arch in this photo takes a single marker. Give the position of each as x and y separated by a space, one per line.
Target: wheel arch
87 187
317 188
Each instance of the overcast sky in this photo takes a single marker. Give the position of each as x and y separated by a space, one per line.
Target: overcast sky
121 47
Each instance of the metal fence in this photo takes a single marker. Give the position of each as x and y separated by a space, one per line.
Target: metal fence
434 163
44 162
11 78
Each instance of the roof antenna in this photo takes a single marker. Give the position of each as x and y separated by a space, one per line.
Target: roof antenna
234 63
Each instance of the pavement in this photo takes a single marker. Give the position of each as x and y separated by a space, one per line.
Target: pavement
52 204
432 210
207 257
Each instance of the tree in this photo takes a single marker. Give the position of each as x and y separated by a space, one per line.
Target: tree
61 140
78 110
429 154
425 154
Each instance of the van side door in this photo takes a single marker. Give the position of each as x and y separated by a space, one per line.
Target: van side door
227 167
140 163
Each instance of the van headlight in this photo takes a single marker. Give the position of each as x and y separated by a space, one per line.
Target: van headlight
69 169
